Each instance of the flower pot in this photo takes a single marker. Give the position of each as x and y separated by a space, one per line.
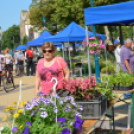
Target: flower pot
93 109
109 131
116 88
126 88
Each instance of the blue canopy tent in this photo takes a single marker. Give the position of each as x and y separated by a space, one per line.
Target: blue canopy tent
21 47
121 14
39 41
71 33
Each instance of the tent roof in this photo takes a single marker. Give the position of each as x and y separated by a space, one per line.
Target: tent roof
116 14
21 47
39 40
71 33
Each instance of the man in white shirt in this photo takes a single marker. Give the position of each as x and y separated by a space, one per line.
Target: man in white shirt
117 55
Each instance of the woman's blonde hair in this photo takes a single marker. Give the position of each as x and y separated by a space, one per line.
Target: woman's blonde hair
49 44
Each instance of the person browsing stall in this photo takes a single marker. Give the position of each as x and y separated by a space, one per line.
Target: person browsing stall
48 67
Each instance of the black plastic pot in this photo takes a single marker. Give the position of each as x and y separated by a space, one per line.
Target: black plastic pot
126 88
116 88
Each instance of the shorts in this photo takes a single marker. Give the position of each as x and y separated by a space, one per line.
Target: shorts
9 67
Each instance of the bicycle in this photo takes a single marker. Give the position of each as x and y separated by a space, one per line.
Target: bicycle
6 81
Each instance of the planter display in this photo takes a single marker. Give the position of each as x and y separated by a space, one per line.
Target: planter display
126 88
116 88
110 131
93 109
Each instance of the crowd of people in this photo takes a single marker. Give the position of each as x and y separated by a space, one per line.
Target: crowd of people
16 61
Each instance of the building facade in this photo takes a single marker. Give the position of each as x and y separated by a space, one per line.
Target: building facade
25 27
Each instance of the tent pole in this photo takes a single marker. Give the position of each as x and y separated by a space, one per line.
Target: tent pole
69 55
63 51
121 37
89 65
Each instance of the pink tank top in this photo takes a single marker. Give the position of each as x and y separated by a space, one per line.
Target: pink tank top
46 73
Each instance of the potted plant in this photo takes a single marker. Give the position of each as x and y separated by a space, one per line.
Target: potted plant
87 94
47 114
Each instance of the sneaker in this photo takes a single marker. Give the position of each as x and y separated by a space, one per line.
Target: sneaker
0 89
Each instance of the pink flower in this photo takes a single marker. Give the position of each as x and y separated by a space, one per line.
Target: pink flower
95 44
62 84
88 97
87 42
91 38
95 52
100 42
90 45
78 82
91 51
102 46
97 49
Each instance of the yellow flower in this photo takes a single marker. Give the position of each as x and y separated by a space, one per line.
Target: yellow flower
6 110
15 115
9 108
20 111
15 108
22 104
4 119
20 126
15 102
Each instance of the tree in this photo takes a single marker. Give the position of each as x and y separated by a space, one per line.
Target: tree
11 37
25 40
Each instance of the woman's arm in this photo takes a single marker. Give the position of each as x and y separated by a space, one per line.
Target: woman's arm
37 83
67 73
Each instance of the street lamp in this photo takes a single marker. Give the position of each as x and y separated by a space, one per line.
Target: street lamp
1 37
44 21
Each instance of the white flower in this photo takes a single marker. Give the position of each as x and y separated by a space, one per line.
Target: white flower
43 114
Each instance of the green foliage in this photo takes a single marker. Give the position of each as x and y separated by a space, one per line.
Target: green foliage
6 130
63 12
24 40
11 37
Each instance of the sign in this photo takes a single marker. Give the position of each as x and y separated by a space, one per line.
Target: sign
66 44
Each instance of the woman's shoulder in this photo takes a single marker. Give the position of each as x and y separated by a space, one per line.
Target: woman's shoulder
41 61
59 58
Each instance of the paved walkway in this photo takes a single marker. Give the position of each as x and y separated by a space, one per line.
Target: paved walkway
28 94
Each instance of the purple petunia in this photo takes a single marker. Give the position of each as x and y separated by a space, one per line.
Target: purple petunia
68 108
78 123
33 112
61 119
29 123
46 101
74 104
55 110
80 107
68 98
43 114
14 129
26 130
41 98
28 106
66 131
41 93
35 102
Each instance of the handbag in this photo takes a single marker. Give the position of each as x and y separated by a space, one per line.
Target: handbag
60 66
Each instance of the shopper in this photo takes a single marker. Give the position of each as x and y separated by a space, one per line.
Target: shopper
29 62
48 67
117 55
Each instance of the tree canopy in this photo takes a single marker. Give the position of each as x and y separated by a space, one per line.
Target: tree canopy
63 12
11 37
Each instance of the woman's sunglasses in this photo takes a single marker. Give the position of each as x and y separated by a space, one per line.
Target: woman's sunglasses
49 51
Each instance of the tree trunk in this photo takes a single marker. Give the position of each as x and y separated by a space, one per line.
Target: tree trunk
108 36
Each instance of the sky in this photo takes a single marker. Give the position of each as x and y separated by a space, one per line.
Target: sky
10 12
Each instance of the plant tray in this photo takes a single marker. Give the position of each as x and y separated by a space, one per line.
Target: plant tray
93 109
110 131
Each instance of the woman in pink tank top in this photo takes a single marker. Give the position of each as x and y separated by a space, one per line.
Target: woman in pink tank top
48 67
